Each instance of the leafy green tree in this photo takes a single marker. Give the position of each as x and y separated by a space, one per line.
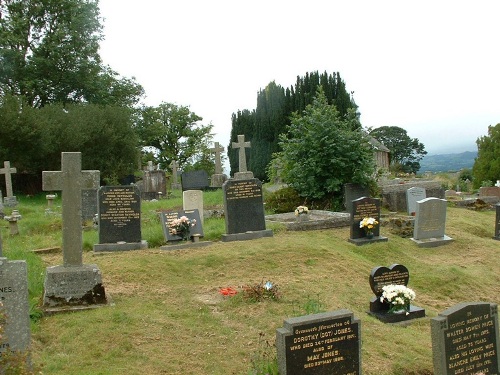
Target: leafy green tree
49 52
406 152
173 133
323 150
486 167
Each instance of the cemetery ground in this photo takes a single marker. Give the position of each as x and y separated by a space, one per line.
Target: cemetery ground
168 316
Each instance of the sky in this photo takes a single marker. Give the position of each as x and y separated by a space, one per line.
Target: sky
429 67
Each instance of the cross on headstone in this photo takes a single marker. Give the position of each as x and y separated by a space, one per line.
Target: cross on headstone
71 180
241 144
7 171
217 149
174 165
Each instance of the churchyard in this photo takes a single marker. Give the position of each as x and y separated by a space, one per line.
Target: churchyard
167 311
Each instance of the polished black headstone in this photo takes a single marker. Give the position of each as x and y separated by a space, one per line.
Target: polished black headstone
167 217
195 180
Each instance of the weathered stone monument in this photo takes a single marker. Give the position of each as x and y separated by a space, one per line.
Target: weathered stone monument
317 344
218 177
154 183
465 340
119 219
241 145
74 284
413 195
430 220
14 306
175 182
9 199
365 208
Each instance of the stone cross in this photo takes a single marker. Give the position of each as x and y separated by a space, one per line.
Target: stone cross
7 171
241 144
217 149
174 165
71 180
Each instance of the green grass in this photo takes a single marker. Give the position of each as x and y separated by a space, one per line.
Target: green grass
168 317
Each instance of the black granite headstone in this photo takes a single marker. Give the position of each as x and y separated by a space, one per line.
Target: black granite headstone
119 214
497 222
195 180
465 339
352 192
169 216
362 208
89 204
320 344
243 206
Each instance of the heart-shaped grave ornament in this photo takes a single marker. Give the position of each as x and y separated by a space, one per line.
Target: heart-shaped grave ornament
396 274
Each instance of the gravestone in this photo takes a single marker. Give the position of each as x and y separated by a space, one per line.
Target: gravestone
89 204
119 219
195 180
154 184
413 195
465 339
244 210
430 220
353 192
241 145
74 284
10 199
218 177
361 208
396 274
175 181
317 344
167 217
496 236
193 200
15 305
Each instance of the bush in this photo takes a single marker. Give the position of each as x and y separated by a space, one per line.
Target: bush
283 200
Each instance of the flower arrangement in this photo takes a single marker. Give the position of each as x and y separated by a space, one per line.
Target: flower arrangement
181 227
261 291
368 224
301 210
229 291
398 296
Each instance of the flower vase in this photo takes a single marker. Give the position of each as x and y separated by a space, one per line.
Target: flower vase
369 235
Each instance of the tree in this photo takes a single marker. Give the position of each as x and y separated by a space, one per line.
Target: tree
174 133
49 52
406 152
486 167
323 150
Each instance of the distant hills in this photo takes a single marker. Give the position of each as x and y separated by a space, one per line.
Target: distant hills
447 162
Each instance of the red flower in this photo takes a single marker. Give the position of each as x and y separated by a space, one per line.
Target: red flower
228 291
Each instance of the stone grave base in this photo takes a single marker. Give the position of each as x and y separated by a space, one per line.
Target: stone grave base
414 313
250 235
366 241
74 287
315 219
433 242
120 246
10 201
178 245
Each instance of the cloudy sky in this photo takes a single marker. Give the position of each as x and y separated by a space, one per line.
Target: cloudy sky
430 67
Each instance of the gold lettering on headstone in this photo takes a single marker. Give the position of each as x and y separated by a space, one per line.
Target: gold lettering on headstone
242 190
119 206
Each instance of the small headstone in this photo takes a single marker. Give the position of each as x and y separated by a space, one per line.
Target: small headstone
175 182
465 339
430 220
317 344
244 210
119 219
352 192
10 199
497 222
413 195
167 217
193 200
195 180
360 209
241 145
396 274
15 300
154 182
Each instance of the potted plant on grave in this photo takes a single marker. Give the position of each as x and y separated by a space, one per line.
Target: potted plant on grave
368 224
182 227
301 213
399 298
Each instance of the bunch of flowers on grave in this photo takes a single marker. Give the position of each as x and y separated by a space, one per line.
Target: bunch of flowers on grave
399 298
368 224
301 210
228 291
181 227
261 291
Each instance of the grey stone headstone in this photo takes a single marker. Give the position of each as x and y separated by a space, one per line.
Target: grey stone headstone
430 221
8 171
167 218
89 204
119 214
465 339
352 192
195 180
317 344
193 200
14 297
154 181
413 195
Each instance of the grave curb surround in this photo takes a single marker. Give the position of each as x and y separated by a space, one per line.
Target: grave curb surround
250 235
433 242
414 313
121 246
186 245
